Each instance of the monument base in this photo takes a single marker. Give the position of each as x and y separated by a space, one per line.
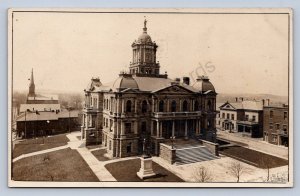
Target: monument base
146 170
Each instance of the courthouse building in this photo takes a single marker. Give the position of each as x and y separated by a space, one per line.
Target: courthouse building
145 104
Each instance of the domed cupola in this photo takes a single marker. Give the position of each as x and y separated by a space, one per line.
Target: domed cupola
203 84
94 83
124 81
144 55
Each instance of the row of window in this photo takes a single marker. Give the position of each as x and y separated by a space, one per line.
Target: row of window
277 126
228 116
285 115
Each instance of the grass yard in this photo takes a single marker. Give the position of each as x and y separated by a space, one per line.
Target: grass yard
63 165
125 171
258 159
99 154
33 145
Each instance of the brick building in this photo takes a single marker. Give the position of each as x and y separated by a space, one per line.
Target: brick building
276 124
144 103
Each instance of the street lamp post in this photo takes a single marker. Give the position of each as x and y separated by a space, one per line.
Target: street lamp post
172 140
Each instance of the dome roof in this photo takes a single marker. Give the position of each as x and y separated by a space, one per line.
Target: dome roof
125 81
95 82
144 38
203 84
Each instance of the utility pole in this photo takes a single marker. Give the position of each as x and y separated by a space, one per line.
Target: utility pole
25 125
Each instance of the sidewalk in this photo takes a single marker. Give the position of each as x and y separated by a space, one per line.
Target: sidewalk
258 145
39 152
96 166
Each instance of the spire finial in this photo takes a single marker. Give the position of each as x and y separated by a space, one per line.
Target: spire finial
145 25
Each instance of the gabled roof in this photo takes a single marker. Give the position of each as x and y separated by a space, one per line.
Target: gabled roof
244 105
174 86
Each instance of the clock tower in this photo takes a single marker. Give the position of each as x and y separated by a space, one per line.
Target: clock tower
144 56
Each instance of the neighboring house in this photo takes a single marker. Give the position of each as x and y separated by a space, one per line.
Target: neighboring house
242 116
276 124
145 104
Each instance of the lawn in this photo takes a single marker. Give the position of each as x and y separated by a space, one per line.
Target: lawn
125 171
63 165
33 145
258 159
99 154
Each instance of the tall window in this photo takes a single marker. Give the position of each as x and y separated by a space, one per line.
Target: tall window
209 105
144 106
247 117
196 106
128 106
253 118
161 106
271 114
127 128
285 115
173 106
227 116
232 116
223 115
185 106
128 147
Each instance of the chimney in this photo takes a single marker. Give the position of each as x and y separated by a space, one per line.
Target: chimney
186 80
177 79
268 102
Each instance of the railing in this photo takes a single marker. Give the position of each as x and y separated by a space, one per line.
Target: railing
246 122
175 114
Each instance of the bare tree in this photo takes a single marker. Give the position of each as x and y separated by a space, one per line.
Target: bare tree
202 174
266 163
236 169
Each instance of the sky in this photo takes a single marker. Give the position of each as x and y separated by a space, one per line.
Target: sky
241 53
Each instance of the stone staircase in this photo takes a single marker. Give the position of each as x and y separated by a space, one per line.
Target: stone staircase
193 154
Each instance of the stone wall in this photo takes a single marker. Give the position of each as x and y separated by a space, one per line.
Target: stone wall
167 153
212 147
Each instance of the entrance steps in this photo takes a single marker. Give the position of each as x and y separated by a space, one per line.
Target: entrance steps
193 154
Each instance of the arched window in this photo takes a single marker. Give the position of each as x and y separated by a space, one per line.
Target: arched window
161 106
144 106
173 106
196 106
185 106
128 106
209 105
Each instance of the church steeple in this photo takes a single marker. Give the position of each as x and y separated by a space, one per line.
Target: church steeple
31 86
144 55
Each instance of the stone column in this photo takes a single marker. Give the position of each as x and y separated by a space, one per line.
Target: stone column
243 128
185 130
180 105
157 129
115 127
122 128
123 105
151 123
173 128
118 106
135 127
135 105
160 129
168 105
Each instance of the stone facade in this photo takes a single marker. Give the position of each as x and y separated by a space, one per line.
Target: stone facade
146 104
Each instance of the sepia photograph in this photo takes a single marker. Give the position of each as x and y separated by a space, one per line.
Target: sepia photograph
150 97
